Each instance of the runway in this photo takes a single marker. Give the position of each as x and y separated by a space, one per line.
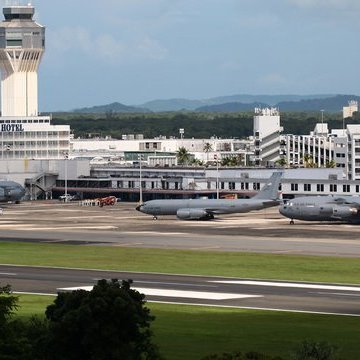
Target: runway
263 231
196 290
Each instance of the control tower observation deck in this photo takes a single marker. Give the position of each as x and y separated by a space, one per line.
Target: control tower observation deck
22 44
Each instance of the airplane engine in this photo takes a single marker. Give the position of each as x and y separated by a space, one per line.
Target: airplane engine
193 214
344 212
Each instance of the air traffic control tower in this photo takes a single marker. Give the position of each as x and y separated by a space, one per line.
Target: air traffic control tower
23 133
22 44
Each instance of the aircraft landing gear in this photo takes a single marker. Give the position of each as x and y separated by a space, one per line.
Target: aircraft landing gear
292 222
155 217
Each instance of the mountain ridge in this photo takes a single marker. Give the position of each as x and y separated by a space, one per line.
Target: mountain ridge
232 103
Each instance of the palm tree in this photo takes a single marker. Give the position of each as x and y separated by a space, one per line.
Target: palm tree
197 162
330 164
207 148
281 162
308 161
232 160
183 156
226 161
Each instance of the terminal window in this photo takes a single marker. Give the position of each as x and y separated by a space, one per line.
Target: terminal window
307 187
333 188
346 188
320 187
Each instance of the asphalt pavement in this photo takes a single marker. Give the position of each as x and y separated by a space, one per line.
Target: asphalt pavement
196 290
264 231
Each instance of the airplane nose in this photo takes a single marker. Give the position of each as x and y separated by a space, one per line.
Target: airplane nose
138 208
282 209
18 192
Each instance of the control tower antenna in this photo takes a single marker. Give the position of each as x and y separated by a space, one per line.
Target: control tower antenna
22 44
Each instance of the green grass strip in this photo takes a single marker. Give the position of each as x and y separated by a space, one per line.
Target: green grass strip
191 332
247 265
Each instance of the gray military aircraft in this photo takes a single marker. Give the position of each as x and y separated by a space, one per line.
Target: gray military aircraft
11 191
205 209
323 208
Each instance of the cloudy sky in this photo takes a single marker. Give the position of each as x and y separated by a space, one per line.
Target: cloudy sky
133 51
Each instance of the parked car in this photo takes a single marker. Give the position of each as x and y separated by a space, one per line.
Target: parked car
66 198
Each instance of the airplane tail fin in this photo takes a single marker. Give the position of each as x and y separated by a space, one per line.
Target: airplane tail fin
271 189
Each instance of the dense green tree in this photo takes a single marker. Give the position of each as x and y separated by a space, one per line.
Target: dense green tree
110 322
17 338
8 304
312 350
196 124
241 356
232 160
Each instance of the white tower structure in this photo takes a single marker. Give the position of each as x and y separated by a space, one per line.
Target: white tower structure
267 131
24 134
348 111
22 44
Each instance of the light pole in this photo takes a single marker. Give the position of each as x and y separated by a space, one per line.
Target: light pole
217 176
66 156
140 180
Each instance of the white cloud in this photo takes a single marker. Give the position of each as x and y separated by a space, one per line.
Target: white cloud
151 49
104 46
327 4
273 79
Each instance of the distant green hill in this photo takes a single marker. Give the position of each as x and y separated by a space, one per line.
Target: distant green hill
115 107
186 104
234 103
231 107
331 104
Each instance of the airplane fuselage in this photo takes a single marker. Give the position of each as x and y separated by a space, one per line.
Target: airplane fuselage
203 208
323 208
11 191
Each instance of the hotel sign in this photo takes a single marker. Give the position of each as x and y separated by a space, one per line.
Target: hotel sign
12 128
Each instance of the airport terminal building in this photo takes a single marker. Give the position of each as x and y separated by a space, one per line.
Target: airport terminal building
49 162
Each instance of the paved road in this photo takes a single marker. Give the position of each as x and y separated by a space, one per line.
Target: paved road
262 231
211 291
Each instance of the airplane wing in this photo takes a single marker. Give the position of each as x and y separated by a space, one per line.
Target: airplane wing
351 200
214 210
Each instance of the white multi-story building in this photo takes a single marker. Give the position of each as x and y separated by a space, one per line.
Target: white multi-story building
313 150
267 131
348 111
353 150
24 134
203 149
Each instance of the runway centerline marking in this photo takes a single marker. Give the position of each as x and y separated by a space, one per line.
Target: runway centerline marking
203 295
288 285
175 284
79 227
338 294
8 274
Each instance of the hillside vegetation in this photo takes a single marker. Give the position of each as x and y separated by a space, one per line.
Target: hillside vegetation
197 125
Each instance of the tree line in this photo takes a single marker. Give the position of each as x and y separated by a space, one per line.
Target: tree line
110 322
197 125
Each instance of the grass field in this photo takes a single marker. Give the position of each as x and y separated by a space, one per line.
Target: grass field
246 265
190 332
